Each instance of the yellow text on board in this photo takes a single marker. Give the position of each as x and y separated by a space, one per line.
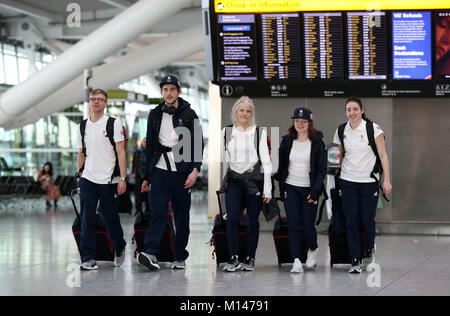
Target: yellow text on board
255 6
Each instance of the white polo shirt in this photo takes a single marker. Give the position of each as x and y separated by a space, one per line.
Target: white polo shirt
100 160
359 158
169 138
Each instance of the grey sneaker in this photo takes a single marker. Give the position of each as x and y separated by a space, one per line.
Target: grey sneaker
249 264
368 259
178 264
233 265
89 265
119 258
148 261
355 268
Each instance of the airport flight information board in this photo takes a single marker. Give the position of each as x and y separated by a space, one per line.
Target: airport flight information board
275 51
238 47
281 46
324 46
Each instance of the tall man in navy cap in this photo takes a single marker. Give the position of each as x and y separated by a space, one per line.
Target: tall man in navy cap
171 173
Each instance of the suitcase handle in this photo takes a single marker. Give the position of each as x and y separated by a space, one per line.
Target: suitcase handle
220 203
74 204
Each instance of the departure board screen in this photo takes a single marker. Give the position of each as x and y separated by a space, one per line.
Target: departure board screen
281 46
411 43
367 45
442 31
324 46
237 42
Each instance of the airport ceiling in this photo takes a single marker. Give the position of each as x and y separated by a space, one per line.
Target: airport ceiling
50 18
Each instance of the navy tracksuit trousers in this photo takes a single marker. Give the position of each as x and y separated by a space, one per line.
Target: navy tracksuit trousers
90 193
359 205
301 217
168 185
237 197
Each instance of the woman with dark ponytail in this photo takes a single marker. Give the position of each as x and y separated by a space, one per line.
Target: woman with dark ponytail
359 179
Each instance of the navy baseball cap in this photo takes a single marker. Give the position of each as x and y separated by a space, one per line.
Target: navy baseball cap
170 79
303 113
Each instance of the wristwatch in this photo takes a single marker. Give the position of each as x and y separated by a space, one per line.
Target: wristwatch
123 178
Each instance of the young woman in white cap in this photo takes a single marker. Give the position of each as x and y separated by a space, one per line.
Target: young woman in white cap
247 180
359 179
301 172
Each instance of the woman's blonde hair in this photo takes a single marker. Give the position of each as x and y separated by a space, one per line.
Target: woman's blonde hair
243 101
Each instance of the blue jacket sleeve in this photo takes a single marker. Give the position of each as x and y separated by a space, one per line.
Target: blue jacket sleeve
322 164
150 145
198 143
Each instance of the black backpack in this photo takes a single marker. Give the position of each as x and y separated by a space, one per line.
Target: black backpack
110 135
378 168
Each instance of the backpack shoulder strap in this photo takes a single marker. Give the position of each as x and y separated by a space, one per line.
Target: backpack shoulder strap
257 142
82 132
110 131
110 135
227 136
341 129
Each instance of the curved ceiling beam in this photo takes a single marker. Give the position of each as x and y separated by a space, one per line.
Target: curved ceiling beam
86 53
110 75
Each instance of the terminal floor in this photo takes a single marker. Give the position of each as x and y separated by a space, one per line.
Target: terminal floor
38 256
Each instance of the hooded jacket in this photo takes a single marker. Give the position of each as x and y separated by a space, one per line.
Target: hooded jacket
153 146
318 164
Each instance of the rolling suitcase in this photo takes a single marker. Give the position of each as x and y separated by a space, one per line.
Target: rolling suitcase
219 236
281 240
337 237
167 250
105 250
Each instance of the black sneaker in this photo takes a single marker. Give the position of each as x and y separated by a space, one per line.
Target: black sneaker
355 268
233 265
249 264
47 204
148 261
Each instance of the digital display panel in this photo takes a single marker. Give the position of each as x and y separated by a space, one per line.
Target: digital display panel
281 46
324 46
442 31
411 45
323 52
237 47
367 52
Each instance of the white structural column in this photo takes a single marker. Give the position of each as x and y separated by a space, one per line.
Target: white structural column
105 40
108 76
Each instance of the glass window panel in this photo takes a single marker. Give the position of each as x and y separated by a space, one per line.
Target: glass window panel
23 69
11 70
2 70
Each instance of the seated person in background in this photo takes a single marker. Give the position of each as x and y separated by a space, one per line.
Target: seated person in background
45 178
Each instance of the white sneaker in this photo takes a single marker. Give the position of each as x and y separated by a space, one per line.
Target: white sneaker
311 261
178 264
89 265
119 258
355 268
297 267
